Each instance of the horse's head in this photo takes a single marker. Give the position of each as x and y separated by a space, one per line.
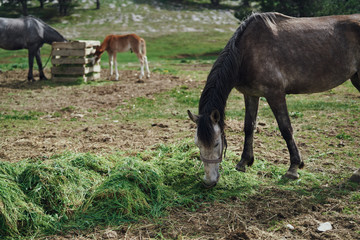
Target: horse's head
211 141
97 54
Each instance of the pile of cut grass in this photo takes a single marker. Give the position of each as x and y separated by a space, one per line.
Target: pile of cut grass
133 190
81 191
18 214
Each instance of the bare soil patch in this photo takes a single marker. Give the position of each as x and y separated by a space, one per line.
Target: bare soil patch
85 104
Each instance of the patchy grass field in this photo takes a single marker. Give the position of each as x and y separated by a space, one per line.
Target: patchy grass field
117 159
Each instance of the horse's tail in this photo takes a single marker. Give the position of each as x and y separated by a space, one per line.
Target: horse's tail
143 47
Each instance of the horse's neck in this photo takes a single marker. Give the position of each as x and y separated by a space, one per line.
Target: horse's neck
51 35
214 96
220 82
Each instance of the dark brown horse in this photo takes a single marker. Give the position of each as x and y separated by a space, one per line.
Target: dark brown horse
271 55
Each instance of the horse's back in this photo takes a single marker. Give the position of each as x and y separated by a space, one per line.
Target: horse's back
299 55
122 43
12 32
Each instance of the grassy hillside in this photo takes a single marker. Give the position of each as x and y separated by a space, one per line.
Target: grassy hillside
172 31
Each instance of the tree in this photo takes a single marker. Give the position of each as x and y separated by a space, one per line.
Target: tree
64 7
24 7
41 3
300 8
215 2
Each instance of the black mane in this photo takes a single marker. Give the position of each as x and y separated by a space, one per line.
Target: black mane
221 80
50 34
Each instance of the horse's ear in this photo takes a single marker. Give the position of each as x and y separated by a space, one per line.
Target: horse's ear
215 116
193 117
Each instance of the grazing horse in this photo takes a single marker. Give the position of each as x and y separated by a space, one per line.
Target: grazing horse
28 33
122 43
271 55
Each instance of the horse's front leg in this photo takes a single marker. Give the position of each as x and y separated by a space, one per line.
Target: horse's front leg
39 63
31 54
251 110
111 63
277 103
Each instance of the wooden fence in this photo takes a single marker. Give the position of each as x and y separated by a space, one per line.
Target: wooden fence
72 61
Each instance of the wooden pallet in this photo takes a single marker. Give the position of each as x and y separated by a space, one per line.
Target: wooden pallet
72 61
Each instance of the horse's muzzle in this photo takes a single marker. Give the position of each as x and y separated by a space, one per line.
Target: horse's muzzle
211 184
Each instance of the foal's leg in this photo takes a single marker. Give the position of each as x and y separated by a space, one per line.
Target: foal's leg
39 63
111 63
116 67
251 110
279 108
141 59
147 67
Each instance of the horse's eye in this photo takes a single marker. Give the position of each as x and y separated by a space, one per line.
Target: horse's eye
216 144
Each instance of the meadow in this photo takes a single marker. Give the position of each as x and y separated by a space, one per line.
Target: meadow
102 159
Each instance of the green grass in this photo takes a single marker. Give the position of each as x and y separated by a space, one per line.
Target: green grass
21 115
70 190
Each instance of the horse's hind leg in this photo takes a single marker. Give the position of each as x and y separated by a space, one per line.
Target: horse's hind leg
251 110
279 108
147 67
31 54
141 59
356 177
39 63
355 80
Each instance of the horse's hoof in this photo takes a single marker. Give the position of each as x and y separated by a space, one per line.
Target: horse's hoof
355 177
148 76
291 175
44 78
240 167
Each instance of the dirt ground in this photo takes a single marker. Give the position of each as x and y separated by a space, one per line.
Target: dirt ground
85 104
234 219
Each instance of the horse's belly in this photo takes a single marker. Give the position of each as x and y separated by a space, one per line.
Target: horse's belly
12 47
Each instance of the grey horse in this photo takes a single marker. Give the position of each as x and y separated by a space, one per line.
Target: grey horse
272 55
28 33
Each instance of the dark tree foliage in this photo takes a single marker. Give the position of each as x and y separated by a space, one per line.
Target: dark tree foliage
24 8
296 8
64 7
215 2
300 8
41 3
336 7
21 6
